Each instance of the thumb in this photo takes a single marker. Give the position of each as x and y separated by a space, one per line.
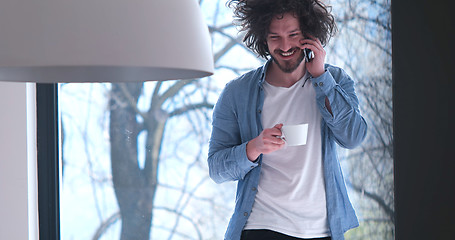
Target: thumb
279 126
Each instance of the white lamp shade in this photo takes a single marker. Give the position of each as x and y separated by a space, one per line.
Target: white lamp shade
48 41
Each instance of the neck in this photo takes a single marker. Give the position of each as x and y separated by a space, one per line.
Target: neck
276 77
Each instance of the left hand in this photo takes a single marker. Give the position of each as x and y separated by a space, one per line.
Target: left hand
316 66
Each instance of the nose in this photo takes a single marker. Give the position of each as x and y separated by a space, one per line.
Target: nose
285 45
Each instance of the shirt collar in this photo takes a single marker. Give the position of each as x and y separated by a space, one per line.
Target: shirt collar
264 72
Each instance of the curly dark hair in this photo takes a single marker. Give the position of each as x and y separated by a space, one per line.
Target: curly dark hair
254 17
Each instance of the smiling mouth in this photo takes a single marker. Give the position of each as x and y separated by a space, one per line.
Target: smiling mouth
289 53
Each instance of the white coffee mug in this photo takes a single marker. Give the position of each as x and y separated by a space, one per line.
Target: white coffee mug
295 135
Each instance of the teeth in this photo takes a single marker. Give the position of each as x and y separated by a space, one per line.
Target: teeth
287 54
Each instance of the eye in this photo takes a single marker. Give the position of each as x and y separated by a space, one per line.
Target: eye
273 37
295 34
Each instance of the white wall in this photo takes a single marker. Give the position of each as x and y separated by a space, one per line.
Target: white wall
14 181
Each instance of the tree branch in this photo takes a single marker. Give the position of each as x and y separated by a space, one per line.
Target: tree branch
179 214
172 91
192 107
390 212
105 225
131 101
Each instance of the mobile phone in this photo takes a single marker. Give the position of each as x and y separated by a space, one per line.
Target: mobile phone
309 55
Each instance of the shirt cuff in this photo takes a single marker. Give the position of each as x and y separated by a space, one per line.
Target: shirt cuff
324 83
244 163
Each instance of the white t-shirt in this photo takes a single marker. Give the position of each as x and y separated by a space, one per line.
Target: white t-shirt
291 192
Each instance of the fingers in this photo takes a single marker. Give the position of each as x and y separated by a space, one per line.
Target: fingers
273 136
311 43
275 132
316 40
279 126
271 139
316 66
268 141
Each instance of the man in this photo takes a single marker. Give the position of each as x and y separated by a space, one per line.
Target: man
286 192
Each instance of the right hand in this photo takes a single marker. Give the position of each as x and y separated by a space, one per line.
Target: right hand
268 141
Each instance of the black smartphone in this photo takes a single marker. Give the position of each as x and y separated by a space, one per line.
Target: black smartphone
309 55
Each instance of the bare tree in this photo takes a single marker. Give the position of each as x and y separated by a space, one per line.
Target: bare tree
363 48
135 187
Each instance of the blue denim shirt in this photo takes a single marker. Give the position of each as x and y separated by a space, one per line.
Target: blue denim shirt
237 120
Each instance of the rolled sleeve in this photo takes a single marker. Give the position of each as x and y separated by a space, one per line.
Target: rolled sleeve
227 158
349 128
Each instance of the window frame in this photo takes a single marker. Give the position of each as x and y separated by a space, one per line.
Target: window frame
47 124
409 167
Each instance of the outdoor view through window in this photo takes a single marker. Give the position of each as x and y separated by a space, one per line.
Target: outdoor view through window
134 156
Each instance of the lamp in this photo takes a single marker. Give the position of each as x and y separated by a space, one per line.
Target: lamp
49 41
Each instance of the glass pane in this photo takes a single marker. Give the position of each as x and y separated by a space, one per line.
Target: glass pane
134 156
363 47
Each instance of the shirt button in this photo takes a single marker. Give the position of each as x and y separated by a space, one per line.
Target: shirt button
253 188
245 214
315 84
259 111
321 84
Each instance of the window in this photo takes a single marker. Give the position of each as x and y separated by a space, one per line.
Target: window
134 155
